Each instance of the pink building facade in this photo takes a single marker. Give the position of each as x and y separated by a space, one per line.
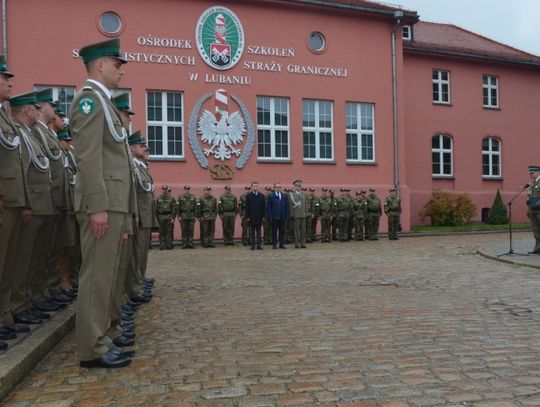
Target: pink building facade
325 91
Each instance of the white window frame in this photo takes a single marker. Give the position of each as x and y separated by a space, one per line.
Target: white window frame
359 132
272 127
441 151
440 84
490 153
318 130
165 124
490 88
56 91
407 32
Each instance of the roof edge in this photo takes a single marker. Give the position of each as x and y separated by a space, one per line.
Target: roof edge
407 14
470 55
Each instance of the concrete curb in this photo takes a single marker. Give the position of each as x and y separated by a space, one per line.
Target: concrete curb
508 259
29 349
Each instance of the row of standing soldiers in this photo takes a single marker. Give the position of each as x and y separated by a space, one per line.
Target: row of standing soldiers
342 217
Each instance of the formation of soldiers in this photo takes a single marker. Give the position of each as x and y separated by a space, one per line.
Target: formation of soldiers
341 218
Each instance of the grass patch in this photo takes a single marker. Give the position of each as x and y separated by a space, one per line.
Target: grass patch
473 227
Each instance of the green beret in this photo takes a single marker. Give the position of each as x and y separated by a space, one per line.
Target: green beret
64 134
165 187
58 108
3 67
45 95
121 101
534 168
371 189
136 138
108 48
23 99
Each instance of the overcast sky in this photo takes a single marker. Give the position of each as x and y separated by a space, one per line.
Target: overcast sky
515 22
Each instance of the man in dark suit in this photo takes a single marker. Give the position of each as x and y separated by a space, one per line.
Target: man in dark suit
278 213
255 213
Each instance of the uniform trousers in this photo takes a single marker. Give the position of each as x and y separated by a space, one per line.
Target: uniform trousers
326 225
228 221
138 261
534 216
97 278
9 236
39 282
208 228
53 256
187 231
299 232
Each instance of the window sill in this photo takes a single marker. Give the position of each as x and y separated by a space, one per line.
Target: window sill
491 108
442 104
443 177
273 161
348 162
492 178
176 159
331 162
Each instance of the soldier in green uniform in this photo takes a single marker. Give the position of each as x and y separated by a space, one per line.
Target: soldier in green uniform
392 208
533 205
359 215
326 211
187 213
343 211
315 218
334 223
228 209
171 231
207 217
242 210
350 224
267 223
310 210
374 212
166 212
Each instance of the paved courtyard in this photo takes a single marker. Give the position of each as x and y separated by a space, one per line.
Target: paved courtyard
415 322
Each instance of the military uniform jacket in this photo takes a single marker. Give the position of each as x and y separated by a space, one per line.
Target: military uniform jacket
326 207
228 204
392 205
104 181
166 206
13 185
187 206
533 201
36 168
207 207
373 204
343 205
242 204
360 209
297 204
53 151
144 187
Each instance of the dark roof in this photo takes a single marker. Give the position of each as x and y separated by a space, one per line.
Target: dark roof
448 39
366 6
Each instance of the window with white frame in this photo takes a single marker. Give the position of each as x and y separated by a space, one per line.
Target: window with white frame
407 32
360 132
490 87
491 157
64 94
165 124
317 126
441 86
441 153
273 128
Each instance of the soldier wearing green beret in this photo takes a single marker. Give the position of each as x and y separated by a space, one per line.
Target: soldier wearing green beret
187 213
166 213
326 211
359 215
242 211
392 208
374 212
315 214
103 192
343 212
207 217
228 209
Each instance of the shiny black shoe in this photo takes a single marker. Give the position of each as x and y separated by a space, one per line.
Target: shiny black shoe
142 298
7 334
47 306
70 294
127 353
134 305
122 341
18 328
129 308
62 298
109 361
126 317
127 326
26 318
129 313
128 334
38 313
3 346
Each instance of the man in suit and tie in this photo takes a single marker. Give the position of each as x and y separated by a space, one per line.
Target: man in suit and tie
278 213
102 200
255 214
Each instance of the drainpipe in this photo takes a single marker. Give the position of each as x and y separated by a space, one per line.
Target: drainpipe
4 29
398 15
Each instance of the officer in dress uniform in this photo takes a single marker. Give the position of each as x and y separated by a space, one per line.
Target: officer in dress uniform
242 210
374 212
187 213
14 201
343 212
533 205
298 210
102 201
392 208
166 212
315 211
228 209
207 207
359 214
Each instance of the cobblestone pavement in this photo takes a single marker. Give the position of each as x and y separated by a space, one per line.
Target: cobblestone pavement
415 322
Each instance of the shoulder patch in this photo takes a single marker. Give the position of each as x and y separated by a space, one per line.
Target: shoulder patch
86 106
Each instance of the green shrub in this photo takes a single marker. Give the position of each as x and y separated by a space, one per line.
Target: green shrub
446 209
497 214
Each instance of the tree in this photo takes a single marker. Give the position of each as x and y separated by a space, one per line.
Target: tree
497 214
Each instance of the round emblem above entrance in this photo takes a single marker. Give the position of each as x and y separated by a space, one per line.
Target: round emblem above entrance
220 38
